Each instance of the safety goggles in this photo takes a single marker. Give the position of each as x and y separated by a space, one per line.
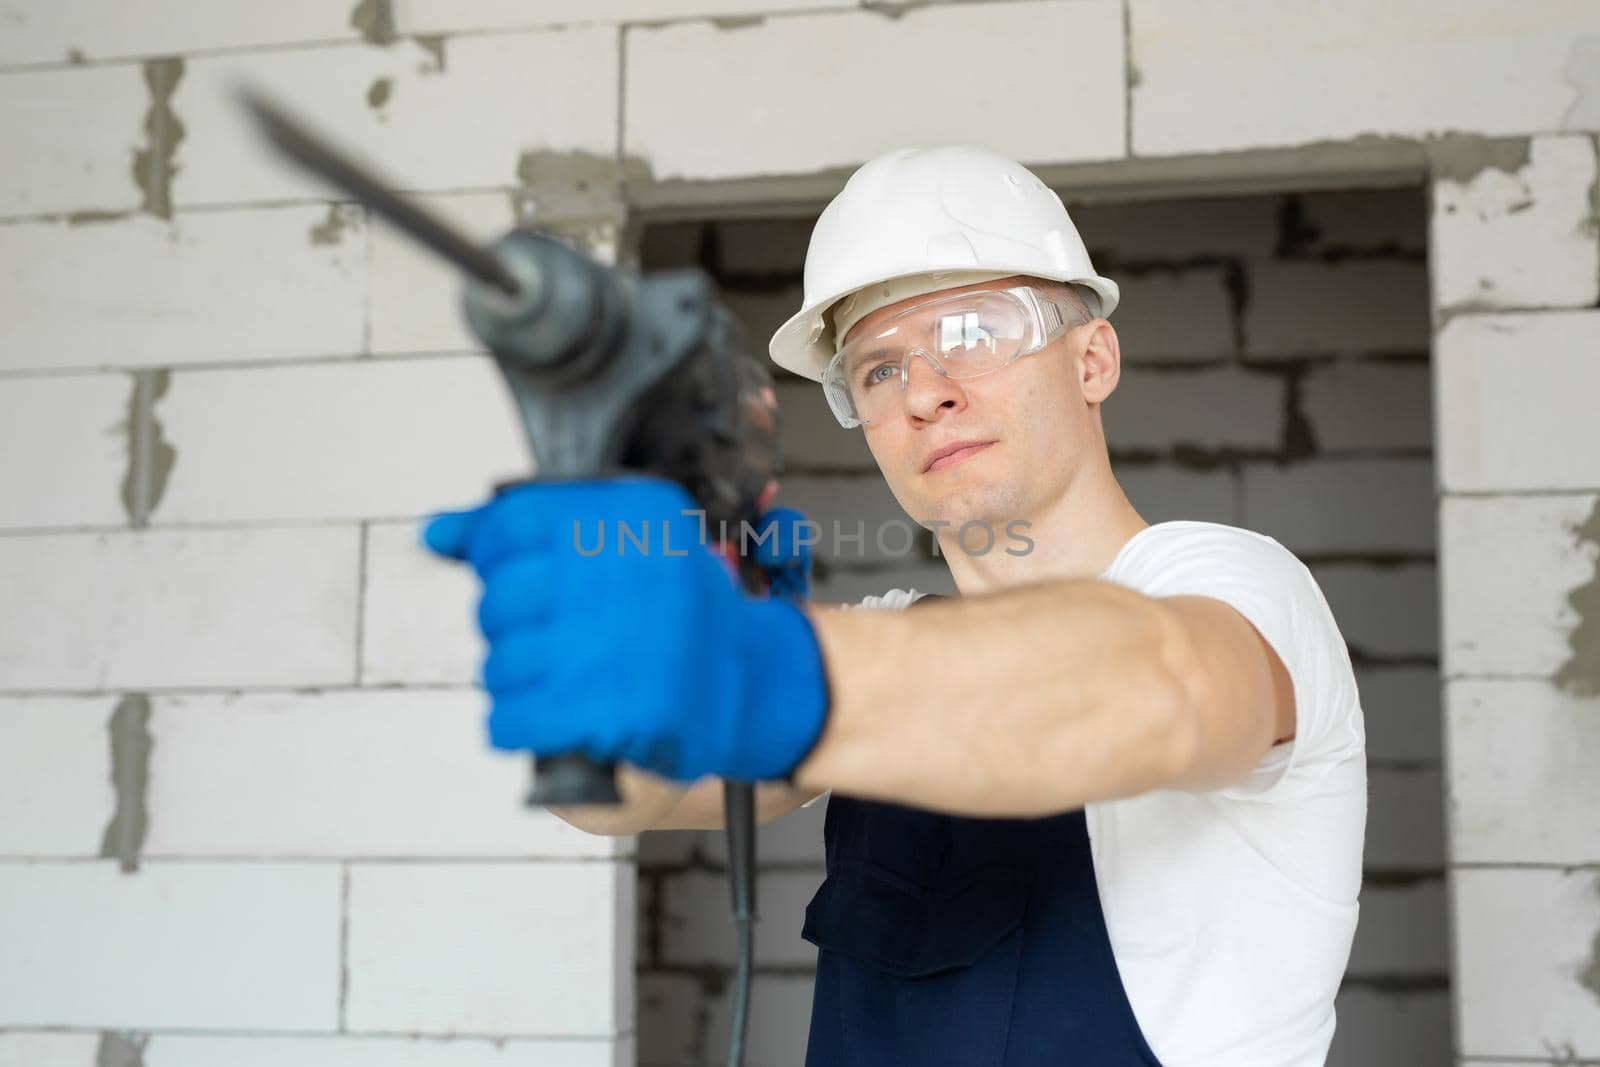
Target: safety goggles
963 336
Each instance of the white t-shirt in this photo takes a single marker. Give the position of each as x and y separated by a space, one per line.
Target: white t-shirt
1231 912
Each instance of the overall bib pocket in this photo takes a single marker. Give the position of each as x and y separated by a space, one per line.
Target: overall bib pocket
917 975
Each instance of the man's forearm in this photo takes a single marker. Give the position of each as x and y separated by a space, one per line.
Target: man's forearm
1029 701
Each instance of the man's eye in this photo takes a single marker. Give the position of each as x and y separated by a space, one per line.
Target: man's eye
883 372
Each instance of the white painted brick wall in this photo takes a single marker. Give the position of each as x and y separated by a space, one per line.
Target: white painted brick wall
1401 706
343 773
833 63
1386 611
416 296
179 608
175 945
79 422
1334 506
530 950
52 33
435 16
1363 405
71 137
1213 408
1515 394
1405 819
197 1050
1380 1028
56 795
22 1049
206 287
1180 316
419 612
1165 491
1509 564
1523 781
1520 240
1313 308
338 440
1259 73
1526 970
550 91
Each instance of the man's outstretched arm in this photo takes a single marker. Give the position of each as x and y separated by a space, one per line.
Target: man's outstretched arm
1036 700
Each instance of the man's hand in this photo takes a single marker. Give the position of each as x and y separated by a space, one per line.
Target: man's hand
616 633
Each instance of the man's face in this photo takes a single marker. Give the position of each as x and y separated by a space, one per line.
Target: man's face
1030 423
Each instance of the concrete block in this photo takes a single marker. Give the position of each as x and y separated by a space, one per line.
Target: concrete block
1405 820
179 608
513 949
88 946
1519 239
76 30
832 62
439 16
858 519
418 611
809 437
1359 405
1384 611
1380 1027
763 246
1174 316
1404 931
1328 223
780 1019
1208 409
674 1027
1402 710
216 286
1510 565
416 296
72 138
1143 232
1353 306
347 440
386 773
272 1050
761 312
70 441
1353 506
56 794
451 115
1523 787
1525 961
1166 491
1261 73
697 929
1514 395
20 1048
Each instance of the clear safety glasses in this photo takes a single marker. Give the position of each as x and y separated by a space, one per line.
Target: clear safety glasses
963 336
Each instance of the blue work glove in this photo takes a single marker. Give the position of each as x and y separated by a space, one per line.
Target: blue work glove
651 656
784 552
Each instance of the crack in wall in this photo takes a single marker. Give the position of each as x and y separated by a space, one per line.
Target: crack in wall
1580 674
151 456
120 1050
129 730
155 164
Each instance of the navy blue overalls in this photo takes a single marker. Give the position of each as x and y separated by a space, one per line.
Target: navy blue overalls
965 942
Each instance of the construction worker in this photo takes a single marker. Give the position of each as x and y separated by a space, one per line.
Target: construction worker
1105 807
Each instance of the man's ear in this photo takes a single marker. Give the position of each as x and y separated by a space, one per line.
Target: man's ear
1102 361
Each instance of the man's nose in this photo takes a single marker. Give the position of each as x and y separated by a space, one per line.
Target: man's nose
927 391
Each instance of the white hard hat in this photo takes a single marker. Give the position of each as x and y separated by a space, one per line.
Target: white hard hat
923 220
